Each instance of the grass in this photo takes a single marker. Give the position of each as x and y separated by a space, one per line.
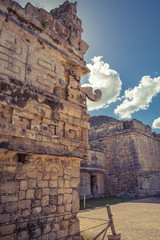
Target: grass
101 202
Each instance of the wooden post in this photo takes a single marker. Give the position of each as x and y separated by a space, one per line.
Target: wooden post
114 236
111 219
84 201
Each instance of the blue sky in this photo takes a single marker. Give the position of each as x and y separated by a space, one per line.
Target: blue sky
124 40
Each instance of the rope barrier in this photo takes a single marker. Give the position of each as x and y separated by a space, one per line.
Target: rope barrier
76 234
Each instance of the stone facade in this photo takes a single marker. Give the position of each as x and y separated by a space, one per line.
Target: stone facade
92 175
131 156
43 120
33 192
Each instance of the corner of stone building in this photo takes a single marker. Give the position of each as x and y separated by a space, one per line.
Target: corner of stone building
43 121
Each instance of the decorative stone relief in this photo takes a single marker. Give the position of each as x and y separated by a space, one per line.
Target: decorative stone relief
88 91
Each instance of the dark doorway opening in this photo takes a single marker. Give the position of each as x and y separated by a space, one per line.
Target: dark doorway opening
94 187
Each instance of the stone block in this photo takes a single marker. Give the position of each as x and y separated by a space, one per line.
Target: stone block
8 176
67 198
46 229
6 230
9 198
45 201
60 209
67 177
62 234
31 174
74 227
75 172
60 199
53 184
11 207
23 185
68 190
23 236
39 176
30 194
9 187
53 191
31 183
75 201
38 193
1 208
52 208
60 182
4 218
23 204
74 182
35 231
26 213
36 211
60 172
68 207
65 224
66 183
56 227
53 200
52 236
22 195
42 184
36 203
54 175
46 176
61 190
45 191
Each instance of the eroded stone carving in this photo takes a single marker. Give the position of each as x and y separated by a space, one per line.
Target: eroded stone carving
95 97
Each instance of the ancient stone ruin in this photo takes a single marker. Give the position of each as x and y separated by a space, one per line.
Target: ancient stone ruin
123 160
43 121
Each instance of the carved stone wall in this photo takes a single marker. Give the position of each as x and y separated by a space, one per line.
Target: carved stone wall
132 156
43 120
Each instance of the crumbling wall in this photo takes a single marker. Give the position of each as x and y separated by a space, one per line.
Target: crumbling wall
43 120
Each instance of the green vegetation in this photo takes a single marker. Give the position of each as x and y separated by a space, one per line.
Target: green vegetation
101 202
44 23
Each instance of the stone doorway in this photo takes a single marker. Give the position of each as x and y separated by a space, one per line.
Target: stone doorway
94 187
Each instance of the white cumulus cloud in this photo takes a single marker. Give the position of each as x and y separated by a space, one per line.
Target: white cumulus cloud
138 97
156 123
103 78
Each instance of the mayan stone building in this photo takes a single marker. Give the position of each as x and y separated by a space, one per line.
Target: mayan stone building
43 120
127 153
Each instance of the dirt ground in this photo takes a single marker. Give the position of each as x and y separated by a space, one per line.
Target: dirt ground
135 220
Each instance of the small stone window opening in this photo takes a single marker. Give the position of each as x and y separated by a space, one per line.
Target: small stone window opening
21 157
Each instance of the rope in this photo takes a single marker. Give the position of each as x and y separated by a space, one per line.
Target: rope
81 231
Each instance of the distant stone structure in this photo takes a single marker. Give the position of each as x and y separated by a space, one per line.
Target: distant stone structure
127 153
43 121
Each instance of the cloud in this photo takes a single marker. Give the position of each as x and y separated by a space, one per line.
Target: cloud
138 97
103 78
156 123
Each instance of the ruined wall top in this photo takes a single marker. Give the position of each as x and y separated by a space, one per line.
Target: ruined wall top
103 126
61 25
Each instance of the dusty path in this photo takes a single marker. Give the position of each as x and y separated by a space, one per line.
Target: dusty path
136 220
